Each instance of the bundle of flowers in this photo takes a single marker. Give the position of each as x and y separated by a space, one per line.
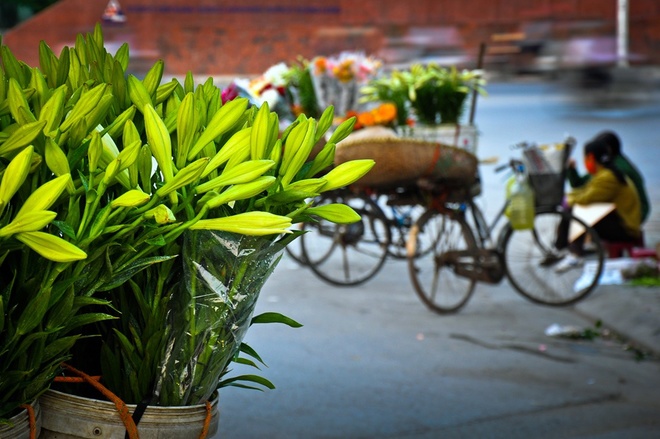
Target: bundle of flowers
337 79
117 193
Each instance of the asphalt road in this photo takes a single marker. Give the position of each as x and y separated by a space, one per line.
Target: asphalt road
373 362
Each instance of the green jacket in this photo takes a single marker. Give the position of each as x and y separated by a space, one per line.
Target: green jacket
629 170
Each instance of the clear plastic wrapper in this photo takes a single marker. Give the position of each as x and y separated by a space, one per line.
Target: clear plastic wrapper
211 310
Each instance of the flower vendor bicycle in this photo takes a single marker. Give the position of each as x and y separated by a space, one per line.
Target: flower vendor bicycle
461 254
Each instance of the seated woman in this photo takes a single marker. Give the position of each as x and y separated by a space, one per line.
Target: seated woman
624 165
607 184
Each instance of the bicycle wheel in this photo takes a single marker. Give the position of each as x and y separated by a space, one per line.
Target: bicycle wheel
347 254
530 261
441 274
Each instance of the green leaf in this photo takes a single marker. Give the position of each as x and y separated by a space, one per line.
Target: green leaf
274 317
65 228
34 312
238 380
130 270
88 318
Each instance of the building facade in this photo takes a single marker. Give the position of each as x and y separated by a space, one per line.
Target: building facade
211 37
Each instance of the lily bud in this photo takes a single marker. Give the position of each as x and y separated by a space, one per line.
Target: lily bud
336 213
51 247
236 148
15 174
44 196
249 223
347 173
242 173
161 214
30 222
184 177
132 198
241 191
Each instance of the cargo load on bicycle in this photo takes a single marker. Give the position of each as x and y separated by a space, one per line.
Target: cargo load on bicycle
402 161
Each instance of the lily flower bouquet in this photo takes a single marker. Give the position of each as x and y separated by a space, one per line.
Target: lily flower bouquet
147 212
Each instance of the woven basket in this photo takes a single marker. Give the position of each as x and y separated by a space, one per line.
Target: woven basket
402 161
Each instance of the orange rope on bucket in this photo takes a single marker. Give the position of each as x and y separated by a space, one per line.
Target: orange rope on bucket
207 421
124 414
32 420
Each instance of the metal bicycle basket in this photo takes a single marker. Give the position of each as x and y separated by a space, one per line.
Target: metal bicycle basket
546 169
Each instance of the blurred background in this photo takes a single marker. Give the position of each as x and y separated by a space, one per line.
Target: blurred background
584 41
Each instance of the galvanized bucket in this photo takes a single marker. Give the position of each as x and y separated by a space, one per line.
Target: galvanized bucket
66 416
19 424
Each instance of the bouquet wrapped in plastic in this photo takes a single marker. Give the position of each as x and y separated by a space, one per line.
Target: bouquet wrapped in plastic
211 310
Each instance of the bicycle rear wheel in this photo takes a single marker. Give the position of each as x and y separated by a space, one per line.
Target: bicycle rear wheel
347 254
530 259
440 271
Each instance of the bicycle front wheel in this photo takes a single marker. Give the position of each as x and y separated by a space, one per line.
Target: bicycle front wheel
440 271
347 254
531 259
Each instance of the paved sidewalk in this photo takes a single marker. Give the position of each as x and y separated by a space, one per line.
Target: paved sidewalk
631 311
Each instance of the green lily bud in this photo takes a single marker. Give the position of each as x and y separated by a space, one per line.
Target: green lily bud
347 173
153 77
325 122
260 133
132 198
161 214
129 154
85 105
184 177
45 195
242 173
56 159
241 191
111 171
51 247
336 213
324 159
138 93
186 128
236 148
144 163
159 141
292 142
14 175
307 185
301 155
343 130
29 222
22 137
276 152
221 122
118 125
249 223
94 150
53 110
20 110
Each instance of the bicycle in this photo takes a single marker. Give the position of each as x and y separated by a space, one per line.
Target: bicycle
351 254
462 254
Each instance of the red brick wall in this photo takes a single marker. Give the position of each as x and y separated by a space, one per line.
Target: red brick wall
230 37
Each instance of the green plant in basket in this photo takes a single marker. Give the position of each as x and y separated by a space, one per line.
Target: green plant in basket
131 196
431 94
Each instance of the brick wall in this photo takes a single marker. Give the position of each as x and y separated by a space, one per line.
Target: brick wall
245 37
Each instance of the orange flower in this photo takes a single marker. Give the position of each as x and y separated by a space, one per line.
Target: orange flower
384 114
320 64
366 119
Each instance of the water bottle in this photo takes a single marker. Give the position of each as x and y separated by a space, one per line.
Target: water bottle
521 203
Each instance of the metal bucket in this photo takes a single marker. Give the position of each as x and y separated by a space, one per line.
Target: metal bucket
19 427
67 416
